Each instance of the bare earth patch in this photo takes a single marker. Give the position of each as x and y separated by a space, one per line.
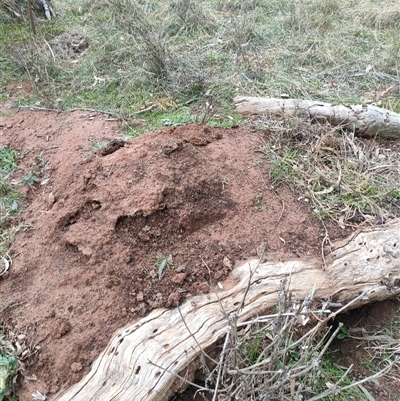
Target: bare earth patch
195 200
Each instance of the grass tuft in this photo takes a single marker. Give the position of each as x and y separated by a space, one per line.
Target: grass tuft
347 179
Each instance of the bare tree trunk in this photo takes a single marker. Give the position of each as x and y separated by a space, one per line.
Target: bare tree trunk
30 15
368 263
365 120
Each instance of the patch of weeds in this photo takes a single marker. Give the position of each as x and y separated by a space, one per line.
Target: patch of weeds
253 349
10 197
331 373
3 97
258 202
96 146
8 369
153 120
36 172
162 261
282 166
344 178
8 160
225 182
224 117
368 364
343 333
175 120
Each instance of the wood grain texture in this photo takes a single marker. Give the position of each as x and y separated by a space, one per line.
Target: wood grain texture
366 120
369 262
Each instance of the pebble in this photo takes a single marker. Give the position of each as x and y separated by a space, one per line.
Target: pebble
76 367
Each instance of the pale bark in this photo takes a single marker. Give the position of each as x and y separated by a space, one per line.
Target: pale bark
369 263
365 120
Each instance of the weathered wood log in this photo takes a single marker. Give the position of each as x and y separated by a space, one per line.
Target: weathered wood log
368 263
365 120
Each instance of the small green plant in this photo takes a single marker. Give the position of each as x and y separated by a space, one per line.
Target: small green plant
258 202
252 348
343 333
35 172
162 261
10 198
8 370
96 146
30 179
282 166
8 160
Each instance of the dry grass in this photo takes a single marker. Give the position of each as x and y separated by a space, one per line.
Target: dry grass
209 51
350 180
281 356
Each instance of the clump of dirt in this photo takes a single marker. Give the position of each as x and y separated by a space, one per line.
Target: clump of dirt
141 225
69 45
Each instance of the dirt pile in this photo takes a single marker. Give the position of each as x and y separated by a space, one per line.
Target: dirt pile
134 226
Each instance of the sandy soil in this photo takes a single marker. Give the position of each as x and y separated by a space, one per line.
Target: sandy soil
102 221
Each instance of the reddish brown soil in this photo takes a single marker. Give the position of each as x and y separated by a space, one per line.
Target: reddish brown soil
200 196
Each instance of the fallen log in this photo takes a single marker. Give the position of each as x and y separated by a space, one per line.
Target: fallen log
364 120
134 365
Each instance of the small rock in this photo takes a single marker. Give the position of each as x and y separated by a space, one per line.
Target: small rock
137 123
173 299
76 367
179 278
201 288
50 201
54 389
140 296
227 263
143 237
61 328
157 301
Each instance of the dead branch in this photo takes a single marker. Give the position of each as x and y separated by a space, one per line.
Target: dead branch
364 120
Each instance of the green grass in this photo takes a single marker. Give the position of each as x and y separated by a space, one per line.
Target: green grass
8 369
12 202
140 52
10 197
331 373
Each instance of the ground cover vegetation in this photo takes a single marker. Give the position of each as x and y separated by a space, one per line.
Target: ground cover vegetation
166 63
271 358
